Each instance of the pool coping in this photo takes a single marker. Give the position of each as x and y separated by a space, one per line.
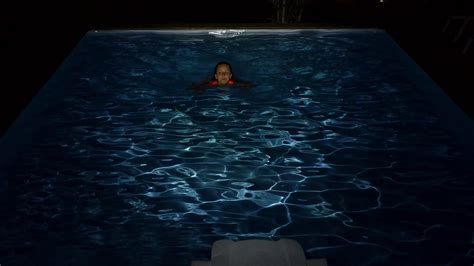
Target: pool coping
190 26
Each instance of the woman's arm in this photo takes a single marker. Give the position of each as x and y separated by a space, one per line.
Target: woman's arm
245 84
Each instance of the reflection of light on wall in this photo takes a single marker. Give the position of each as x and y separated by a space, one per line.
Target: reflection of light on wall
381 1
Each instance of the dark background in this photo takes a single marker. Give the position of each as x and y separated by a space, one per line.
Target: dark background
36 37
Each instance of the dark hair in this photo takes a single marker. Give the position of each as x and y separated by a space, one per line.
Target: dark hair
222 63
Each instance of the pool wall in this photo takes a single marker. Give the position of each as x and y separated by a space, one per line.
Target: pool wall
452 117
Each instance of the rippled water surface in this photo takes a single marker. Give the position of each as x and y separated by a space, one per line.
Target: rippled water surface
336 147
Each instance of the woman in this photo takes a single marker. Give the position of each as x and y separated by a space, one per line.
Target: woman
222 78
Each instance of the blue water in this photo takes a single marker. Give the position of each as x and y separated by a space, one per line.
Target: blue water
338 147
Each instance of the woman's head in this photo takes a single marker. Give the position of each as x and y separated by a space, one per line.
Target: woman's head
222 73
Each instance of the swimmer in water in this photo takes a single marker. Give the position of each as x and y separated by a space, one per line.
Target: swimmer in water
222 78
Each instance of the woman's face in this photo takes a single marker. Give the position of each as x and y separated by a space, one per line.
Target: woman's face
223 75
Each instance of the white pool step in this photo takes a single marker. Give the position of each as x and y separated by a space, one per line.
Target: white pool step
256 252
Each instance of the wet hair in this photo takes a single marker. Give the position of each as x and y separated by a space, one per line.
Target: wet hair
222 63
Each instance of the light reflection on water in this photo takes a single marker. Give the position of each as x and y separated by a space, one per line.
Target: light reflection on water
334 148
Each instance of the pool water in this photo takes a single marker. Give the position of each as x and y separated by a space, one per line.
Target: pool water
117 162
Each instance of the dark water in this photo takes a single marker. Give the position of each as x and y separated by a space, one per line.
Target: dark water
336 148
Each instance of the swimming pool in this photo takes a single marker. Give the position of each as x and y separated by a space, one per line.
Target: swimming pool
345 145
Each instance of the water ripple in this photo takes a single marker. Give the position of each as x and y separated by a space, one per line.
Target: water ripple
334 148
